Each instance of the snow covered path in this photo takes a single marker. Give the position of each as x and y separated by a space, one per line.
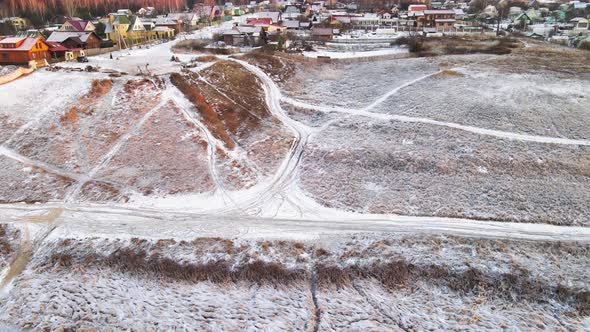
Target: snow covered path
87 220
8 153
471 129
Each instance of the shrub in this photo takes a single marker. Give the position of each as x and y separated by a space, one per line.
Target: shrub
416 45
400 41
585 45
191 44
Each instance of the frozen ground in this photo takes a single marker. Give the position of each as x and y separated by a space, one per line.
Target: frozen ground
416 169
539 104
132 176
369 282
353 84
351 52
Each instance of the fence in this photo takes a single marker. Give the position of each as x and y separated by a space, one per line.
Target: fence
97 51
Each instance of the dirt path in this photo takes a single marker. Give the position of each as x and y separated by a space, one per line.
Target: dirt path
29 244
87 220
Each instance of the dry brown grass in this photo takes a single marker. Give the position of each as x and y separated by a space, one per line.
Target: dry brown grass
449 73
100 87
70 117
273 64
220 271
516 286
565 62
210 117
5 247
204 58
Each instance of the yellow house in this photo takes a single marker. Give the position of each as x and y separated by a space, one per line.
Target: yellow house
117 27
19 23
164 32
127 30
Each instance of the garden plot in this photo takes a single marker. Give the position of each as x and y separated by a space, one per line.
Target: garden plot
353 85
370 307
420 169
87 284
167 155
482 96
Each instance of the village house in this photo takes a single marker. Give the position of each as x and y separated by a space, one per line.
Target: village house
59 52
322 34
30 33
163 32
73 25
580 26
83 40
207 13
291 12
441 19
127 30
244 36
262 22
22 50
146 12
275 17
170 22
19 23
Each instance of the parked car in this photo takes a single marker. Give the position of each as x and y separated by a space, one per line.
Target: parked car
82 58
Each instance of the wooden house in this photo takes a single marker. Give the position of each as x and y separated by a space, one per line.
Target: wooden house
21 50
77 25
84 40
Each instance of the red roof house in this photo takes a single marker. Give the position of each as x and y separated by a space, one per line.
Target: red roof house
263 21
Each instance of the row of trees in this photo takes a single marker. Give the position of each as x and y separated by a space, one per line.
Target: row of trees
41 11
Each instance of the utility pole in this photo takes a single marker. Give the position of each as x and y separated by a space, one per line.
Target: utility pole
501 7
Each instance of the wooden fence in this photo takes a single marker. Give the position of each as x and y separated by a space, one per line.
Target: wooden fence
302 58
97 51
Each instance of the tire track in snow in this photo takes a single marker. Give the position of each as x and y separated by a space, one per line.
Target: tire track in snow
453 125
212 143
94 219
366 112
288 169
8 153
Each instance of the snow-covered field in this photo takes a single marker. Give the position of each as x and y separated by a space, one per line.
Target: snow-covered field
353 282
188 189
